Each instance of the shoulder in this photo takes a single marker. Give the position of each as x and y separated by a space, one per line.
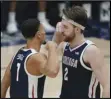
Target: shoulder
37 58
92 49
92 52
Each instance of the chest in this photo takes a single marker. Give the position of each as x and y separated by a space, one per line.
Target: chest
71 58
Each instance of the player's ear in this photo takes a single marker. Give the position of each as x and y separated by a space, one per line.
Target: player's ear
38 35
77 29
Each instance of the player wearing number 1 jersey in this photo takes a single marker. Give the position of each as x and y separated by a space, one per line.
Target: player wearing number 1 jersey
26 72
83 65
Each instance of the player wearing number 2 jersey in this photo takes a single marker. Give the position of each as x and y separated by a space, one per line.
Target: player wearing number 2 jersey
26 72
83 65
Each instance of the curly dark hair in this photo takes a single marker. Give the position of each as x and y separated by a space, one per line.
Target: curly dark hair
29 28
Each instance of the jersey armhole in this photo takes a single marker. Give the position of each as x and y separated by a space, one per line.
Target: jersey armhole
82 60
87 64
34 76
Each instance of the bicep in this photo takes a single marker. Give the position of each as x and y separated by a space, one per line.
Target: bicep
98 66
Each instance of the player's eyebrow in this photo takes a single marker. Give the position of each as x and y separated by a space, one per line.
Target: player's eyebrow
65 25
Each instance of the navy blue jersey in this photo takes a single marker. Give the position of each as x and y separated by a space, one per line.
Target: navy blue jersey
23 84
78 78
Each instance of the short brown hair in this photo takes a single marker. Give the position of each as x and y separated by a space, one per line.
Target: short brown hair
77 14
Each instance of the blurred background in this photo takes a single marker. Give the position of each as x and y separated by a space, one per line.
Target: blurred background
13 13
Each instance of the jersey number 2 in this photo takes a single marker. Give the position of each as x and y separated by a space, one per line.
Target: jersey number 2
65 75
18 68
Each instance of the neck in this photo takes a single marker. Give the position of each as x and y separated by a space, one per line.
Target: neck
79 39
33 44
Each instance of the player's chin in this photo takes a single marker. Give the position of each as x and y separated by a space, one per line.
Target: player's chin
66 40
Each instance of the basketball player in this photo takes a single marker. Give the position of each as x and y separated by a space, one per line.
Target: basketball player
83 67
26 72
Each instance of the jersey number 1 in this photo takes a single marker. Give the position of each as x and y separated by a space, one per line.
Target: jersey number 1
18 68
65 75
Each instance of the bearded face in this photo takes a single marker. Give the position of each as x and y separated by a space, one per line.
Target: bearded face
68 33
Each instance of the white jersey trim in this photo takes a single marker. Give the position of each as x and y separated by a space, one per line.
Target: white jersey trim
101 91
32 87
72 49
81 57
94 89
93 86
33 52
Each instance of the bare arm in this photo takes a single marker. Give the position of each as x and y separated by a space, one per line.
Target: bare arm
60 50
47 59
50 67
95 58
5 82
48 64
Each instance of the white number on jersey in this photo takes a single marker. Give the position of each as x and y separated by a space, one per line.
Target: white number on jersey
18 68
65 75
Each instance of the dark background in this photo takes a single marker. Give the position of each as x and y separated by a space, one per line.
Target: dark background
29 9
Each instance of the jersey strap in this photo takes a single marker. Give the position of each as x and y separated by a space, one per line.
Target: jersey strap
81 57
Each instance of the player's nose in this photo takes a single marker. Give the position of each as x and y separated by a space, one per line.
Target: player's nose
63 33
